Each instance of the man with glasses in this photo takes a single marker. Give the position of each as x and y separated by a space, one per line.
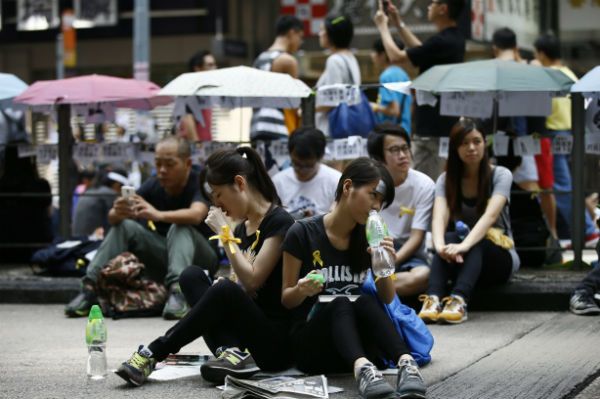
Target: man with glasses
409 216
308 187
447 46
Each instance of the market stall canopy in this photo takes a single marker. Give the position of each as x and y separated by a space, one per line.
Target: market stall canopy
589 84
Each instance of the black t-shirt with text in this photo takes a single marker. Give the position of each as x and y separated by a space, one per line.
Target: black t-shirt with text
307 240
155 194
445 47
275 223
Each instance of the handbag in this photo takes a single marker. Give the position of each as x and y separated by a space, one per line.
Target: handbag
351 120
410 327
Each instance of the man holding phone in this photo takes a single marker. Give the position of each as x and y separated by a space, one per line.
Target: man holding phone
447 46
162 224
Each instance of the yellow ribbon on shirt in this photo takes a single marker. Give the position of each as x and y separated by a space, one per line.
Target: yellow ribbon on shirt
227 238
317 258
255 243
151 225
406 211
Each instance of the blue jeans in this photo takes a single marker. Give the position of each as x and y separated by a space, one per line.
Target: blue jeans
562 182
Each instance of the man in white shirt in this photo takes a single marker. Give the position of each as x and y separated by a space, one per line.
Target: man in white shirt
308 187
409 216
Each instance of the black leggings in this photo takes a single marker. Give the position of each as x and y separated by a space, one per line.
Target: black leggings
486 264
343 331
229 317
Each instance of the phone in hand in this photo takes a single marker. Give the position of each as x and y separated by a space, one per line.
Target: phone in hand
127 191
386 6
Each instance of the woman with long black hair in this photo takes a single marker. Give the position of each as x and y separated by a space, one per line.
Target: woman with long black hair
340 335
476 193
244 323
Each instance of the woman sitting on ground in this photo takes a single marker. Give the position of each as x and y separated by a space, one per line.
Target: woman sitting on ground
476 193
340 335
243 324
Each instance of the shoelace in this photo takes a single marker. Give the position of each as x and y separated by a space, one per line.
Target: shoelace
452 304
371 373
428 302
232 356
138 361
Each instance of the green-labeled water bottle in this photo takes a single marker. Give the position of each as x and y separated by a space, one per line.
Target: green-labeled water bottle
95 338
382 263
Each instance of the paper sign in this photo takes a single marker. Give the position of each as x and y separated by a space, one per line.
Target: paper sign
501 141
86 153
115 152
524 104
334 95
26 150
527 145
426 98
592 143
592 116
46 153
400 87
475 105
349 148
146 157
562 144
444 146
329 151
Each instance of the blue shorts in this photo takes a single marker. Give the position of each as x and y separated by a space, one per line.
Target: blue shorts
410 264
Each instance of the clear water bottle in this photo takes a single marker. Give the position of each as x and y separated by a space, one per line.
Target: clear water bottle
95 338
381 260
462 229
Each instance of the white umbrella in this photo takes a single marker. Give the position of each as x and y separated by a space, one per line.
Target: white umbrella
239 86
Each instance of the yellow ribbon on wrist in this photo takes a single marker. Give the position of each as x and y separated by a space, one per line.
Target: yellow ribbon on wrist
227 238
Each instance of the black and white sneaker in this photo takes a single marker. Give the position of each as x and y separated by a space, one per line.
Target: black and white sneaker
372 385
229 361
410 383
582 303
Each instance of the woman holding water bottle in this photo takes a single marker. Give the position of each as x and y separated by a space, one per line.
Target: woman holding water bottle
472 197
325 261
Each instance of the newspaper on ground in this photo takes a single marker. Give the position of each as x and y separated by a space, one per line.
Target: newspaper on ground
279 388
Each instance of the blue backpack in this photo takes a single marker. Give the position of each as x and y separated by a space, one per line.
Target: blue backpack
412 329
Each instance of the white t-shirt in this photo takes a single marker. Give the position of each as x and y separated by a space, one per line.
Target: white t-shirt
339 68
315 195
411 209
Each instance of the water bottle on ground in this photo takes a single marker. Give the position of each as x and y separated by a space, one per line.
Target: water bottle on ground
95 337
381 260
462 229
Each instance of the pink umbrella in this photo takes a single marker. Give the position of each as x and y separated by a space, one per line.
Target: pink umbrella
127 93
90 89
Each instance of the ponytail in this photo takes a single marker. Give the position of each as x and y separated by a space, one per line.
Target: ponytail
223 165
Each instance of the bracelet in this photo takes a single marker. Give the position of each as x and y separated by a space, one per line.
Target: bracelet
402 25
227 238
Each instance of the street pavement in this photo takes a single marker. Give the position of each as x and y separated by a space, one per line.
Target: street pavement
494 354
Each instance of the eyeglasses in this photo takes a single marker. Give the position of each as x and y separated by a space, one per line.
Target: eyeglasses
397 149
305 167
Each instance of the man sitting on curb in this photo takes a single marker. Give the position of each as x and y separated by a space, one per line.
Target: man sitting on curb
170 210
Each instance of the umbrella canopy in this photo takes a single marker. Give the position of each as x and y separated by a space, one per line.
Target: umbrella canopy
589 84
492 76
89 89
239 87
10 86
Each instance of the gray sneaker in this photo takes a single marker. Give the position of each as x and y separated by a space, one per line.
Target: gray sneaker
372 385
410 382
176 306
582 303
229 361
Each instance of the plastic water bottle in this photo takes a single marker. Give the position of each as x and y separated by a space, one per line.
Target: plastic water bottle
381 260
462 229
95 337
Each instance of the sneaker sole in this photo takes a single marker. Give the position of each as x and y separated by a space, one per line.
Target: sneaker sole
217 374
411 395
429 320
446 321
585 312
125 375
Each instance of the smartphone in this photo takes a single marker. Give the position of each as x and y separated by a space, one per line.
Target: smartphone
386 6
127 191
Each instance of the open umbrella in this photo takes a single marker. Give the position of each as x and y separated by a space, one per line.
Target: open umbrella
91 90
239 86
10 86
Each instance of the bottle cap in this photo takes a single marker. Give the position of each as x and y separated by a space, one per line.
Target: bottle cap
95 313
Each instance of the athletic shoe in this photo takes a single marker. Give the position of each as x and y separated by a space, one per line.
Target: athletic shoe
229 361
592 239
176 306
431 309
372 385
80 305
582 303
455 310
410 382
139 366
